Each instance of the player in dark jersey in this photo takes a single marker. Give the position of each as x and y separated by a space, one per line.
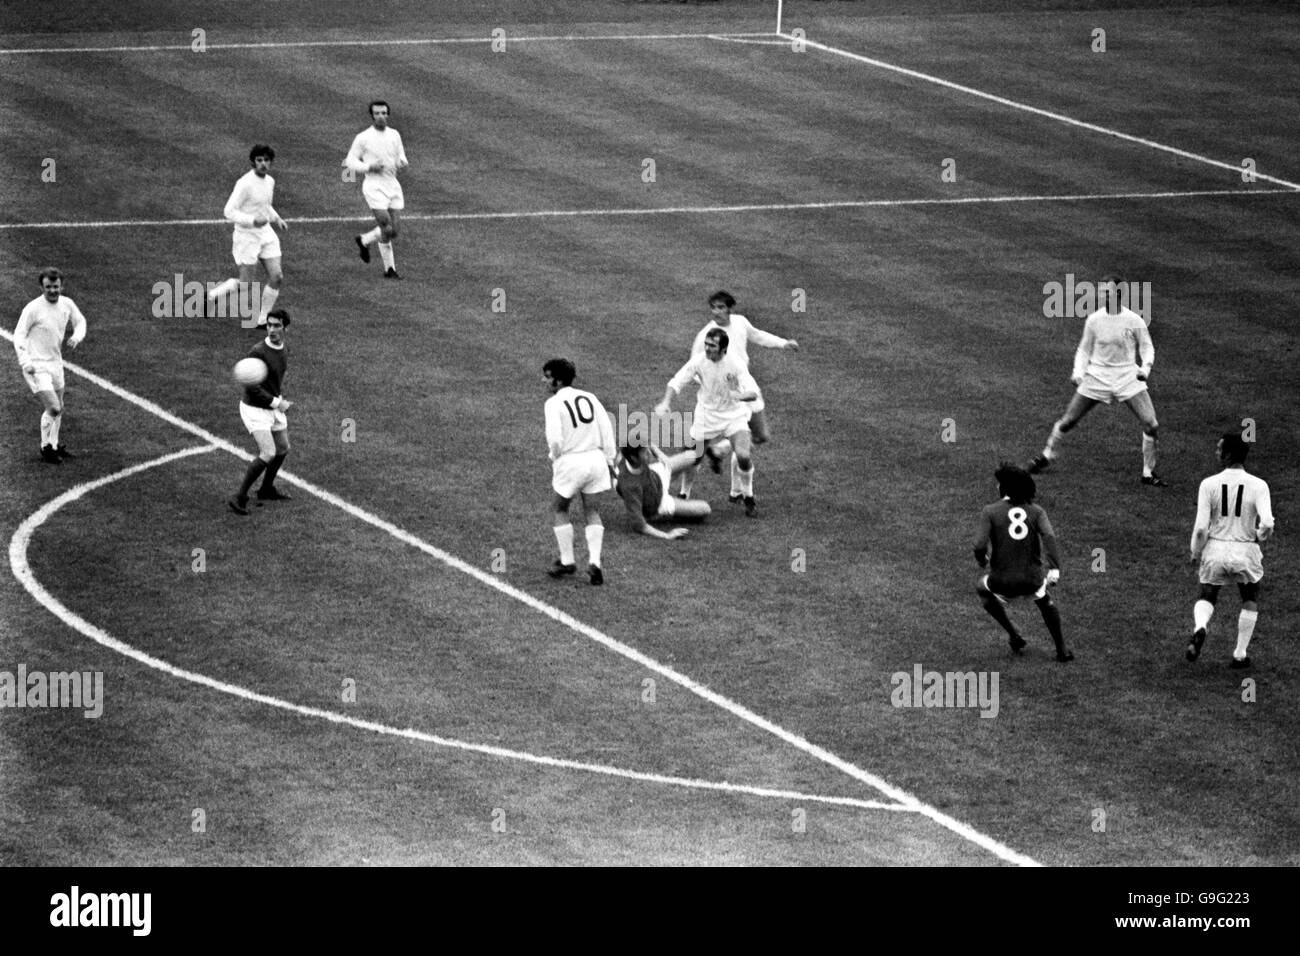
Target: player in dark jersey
643 484
1014 537
262 410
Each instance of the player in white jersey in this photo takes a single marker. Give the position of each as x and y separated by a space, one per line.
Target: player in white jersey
1233 514
1112 364
249 208
580 442
38 339
726 390
740 331
378 152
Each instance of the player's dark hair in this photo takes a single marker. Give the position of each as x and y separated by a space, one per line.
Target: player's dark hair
561 370
631 454
722 338
1235 448
370 110
724 297
280 314
51 273
1015 483
261 149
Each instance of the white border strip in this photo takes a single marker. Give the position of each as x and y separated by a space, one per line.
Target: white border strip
739 711
1059 117
675 210
22 570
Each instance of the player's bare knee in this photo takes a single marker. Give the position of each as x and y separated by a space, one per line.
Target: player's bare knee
1249 595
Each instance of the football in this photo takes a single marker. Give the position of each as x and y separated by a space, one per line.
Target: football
250 371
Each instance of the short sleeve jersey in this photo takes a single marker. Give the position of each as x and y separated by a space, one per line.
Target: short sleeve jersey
1019 535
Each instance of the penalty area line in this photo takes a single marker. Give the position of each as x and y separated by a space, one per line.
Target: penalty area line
22 570
681 210
410 41
737 710
1037 111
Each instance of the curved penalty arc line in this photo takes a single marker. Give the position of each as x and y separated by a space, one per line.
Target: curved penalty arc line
22 570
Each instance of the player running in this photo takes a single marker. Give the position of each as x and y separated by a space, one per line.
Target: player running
1014 535
580 441
644 487
722 409
249 208
378 152
1234 513
740 332
1112 364
38 339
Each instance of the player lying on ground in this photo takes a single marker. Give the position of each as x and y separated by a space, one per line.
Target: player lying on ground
1014 534
644 484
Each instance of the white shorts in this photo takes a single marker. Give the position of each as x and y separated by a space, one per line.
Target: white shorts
1231 562
667 506
262 419
585 471
250 245
707 425
1004 599
1107 388
382 193
47 377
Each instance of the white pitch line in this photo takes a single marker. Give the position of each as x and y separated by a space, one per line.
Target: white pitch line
1037 111
416 41
676 210
964 830
22 570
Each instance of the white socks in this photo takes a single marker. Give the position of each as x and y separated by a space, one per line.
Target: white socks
268 302
1148 455
1245 628
223 289
386 253
564 537
1201 614
372 236
595 536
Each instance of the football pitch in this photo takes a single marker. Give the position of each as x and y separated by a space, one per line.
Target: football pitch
380 672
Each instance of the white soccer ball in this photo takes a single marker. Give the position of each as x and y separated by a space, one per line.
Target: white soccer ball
250 371
721 448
